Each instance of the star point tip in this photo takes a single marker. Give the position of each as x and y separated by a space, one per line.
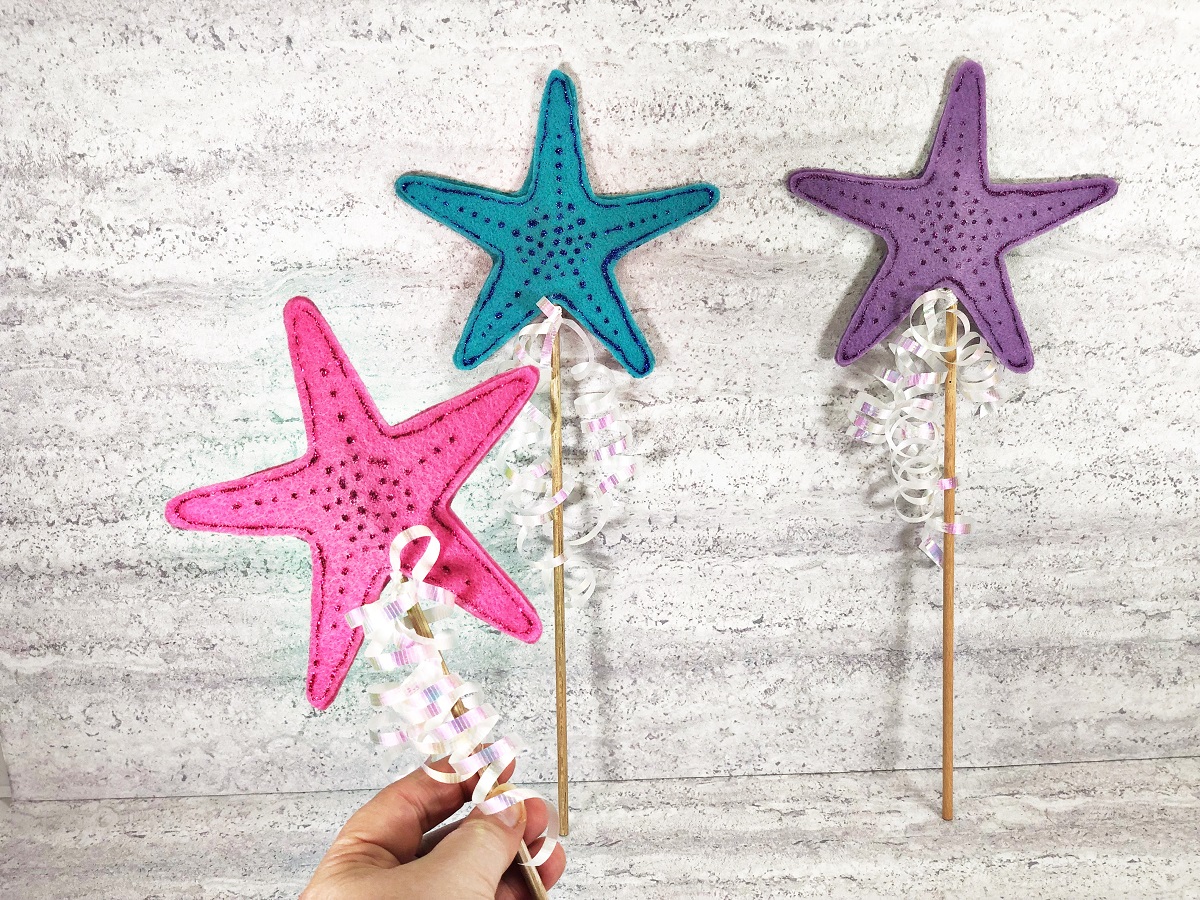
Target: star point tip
713 192
528 374
814 184
301 314
297 304
645 368
519 383
173 514
797 179
319 693
843 357
968 69
532 634
560 88
406 184
464 362
181 514
1097 191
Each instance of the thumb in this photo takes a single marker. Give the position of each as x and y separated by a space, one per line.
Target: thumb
476 854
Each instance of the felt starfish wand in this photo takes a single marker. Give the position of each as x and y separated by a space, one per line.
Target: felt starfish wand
555 239
947 231
357 495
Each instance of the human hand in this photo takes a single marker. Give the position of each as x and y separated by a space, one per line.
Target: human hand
387 850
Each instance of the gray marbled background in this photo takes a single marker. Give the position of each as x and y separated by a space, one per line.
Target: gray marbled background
171 178
1100 830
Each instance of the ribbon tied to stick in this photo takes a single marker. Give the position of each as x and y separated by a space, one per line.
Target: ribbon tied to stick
531 496
420 710
904 420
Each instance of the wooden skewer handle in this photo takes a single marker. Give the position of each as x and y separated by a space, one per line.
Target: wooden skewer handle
533 878
948 571
560 606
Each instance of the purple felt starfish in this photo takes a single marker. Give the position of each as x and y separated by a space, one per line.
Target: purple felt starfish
950 227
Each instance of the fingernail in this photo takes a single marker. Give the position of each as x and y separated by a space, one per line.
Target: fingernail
512 816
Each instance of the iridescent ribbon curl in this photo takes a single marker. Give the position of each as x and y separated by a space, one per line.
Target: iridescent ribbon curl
419 711
531 495
904 421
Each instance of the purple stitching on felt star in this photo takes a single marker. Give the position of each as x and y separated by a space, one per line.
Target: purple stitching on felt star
949 227
359 483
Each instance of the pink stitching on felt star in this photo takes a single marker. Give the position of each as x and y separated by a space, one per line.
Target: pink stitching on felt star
361 482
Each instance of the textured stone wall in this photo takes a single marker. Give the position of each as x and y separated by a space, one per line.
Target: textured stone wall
170 179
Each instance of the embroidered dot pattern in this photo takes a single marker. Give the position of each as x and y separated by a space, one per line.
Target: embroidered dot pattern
554 238
949 227
361 482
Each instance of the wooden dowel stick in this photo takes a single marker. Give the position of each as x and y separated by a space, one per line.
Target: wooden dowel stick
533 878
560 610
948 572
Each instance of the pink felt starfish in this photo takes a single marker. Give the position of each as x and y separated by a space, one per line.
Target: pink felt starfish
359 483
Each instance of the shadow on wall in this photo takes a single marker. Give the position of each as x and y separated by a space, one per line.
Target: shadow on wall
5 786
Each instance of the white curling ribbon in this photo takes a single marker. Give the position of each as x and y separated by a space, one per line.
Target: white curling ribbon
419 710
905 420
530 494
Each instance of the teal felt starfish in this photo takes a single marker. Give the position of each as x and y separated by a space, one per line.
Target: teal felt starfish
554 238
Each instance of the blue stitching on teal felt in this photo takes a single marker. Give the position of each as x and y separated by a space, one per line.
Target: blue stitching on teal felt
516 228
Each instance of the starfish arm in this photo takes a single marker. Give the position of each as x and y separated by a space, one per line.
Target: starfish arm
558 148
478 582
883 306
337 588
333 400
606 315
506 302
1031 209
478 214
634 219
864 200
463 429
988 296
960 144
262 504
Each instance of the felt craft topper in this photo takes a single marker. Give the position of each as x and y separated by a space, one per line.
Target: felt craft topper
360 482
948 228
554 238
